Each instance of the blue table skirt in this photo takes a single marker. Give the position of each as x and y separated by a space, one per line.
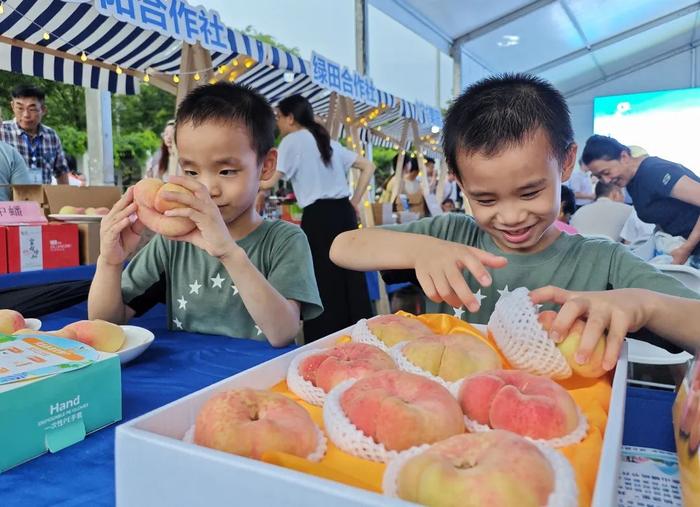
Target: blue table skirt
46 276
180 363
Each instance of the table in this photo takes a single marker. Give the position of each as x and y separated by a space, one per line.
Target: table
180 363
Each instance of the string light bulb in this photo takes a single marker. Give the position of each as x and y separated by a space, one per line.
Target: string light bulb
197 77
119 70
222 69
2 8
176 78
46 36
234 62
83 57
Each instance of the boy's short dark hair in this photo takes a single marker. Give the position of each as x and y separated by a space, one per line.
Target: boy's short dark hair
568 200
231 103
500 111
603 148
603 189
28 91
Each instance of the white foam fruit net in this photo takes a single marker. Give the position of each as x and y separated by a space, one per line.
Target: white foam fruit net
345 435
578 434
565 492
396 353
361 334
299 385
316 455
522 339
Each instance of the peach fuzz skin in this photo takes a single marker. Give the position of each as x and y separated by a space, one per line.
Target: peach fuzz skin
392 329
250 423
492 469
593 368
401 410
99 334
151 206
330 367
452 357
516 401
11 321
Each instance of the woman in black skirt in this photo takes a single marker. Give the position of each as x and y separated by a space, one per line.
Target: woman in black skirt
317 168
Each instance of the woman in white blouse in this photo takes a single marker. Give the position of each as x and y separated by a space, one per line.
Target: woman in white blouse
317 167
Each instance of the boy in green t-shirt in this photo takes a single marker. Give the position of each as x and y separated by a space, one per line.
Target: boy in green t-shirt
510 143
235 274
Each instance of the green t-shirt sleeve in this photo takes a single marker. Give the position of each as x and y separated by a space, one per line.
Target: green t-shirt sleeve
449 226
629 271
292 272
146 268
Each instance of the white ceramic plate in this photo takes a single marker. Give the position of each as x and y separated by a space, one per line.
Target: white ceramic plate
76 218
33 324
137 340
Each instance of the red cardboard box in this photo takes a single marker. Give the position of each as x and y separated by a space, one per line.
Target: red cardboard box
28 243
44 246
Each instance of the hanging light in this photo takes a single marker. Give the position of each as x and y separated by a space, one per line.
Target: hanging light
222 69
119 70
234 62
2 8
176 78
146 78
46 36
83 57
197 77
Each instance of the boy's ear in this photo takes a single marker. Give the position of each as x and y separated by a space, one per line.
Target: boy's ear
269 164
569 162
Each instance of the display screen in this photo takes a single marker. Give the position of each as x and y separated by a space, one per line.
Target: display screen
665 123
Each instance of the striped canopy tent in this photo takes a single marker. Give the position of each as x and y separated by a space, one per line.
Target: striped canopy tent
75 42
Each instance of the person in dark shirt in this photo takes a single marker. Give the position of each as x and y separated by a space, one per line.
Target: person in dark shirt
663 192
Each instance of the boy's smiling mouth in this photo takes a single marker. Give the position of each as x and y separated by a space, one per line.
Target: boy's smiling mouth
517 235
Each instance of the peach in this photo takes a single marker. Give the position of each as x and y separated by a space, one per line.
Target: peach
150 208
71 210
525 404
330 367
91 211
162 205
593 368
452 357
250 423
496 469
102 210
392 329
401 410
99 334
11 321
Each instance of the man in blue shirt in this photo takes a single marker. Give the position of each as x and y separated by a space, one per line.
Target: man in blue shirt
38 144
13 170
664 193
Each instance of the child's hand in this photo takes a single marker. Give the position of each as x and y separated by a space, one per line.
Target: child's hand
619 311
119 236
210 233
439 268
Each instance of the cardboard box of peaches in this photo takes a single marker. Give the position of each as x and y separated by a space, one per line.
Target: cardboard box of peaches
81 204
427 409
55 387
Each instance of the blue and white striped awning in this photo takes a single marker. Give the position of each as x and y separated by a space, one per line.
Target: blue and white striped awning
76 27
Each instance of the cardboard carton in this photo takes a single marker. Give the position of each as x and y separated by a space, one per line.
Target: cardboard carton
52 198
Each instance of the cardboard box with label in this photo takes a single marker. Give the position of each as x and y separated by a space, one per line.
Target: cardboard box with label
50 413
30 243
52 198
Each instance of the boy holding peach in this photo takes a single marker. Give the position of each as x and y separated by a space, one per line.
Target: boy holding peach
509 141
216 263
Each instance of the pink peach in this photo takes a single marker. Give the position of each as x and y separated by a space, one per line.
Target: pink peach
11 321
330 367
99 334
493 469
401 410
150 208
250 423
525 404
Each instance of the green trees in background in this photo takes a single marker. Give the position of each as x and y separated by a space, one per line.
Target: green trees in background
137 120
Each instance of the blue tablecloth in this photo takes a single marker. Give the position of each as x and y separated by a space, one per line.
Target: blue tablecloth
46 276
177 364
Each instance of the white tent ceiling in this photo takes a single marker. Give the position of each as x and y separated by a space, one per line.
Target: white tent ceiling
575 44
